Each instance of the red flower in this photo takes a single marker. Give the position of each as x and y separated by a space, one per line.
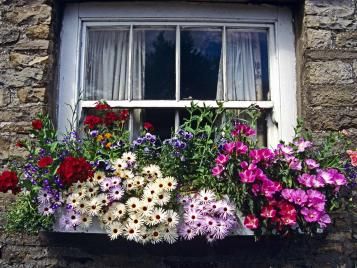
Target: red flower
123 115
287 213
45 161
9 181
251 222
102 106
148 126
20 144
268 212
74 169
353 156
37 124
110 118
92 121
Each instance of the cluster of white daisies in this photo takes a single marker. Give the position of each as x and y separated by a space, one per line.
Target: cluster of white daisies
129 202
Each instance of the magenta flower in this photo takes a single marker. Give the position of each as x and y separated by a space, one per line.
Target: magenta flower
310 215
316 200
261 155
311 180
217 170
288 213
311 164
268 212
244 164
247 176
229 147
294 163
299 197
243 129
241 148
269 188
302 145
255 189
286 150
324 220
251 222
222 159
287 194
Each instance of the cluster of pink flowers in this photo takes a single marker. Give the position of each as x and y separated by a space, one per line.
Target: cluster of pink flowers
279 205
205 215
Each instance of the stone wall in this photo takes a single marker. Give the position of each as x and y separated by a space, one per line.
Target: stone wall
326 74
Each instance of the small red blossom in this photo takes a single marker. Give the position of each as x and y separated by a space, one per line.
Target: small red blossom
37 124
92 121
74 169
100 106
268 212
110 118
9 181
20 144
353 156
124 115
251 222
148 126
45 161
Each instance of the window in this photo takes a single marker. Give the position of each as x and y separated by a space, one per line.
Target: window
155 58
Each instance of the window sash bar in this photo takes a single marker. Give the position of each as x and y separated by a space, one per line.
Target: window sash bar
130 59
180 104
224 63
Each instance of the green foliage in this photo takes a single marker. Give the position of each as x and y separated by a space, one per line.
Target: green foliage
23 216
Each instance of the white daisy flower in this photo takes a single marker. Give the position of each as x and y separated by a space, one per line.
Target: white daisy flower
133 204
129 185
156 235
45 209
145 208
151 190
151 201
118 210
103 199
160 184
163 198
44 196
94 206
108 218
129 157
78 185
99 176
136 219
206 196
158 215
80 192
81 206
152 172
74 218
114 230
187 232
225 209
91 190
138 182
91 181
131 232
172 218
115 181
170 183
144 236
192 216
85 221
170 235
119 165
127 174
105 184
73 200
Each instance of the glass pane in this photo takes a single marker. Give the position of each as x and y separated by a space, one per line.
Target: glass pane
163 121
106 58
200 63
154 64
247 66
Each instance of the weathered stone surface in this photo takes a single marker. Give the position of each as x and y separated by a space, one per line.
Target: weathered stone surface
355 67
330 8
339 95
329 72
26 95
318 38
38 31
33 14
26 77
26 60
334 23
8 35
32 45
347 40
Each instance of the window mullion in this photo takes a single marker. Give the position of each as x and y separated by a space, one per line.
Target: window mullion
129 79
177 75
224 63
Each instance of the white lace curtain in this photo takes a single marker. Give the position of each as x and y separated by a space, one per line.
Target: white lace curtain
107 66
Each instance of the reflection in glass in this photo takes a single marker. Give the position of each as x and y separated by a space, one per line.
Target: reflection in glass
153 64
200 59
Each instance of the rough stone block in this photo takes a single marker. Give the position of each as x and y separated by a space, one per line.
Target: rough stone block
25 77
318 38
27 94
329 72
347 40
329 23
336 95
332 8
38 31
8 35
30 14
20 59
32 45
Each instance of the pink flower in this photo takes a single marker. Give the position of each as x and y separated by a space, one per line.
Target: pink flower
316 200
247 176
287 213
241 148
286 150
294 163
324 220
222 159
217 170
251 222
287 194
229 147
302 145
332 176
311 180
353 156
255 189
310 215
243 129
269 188
311 164
268 212
261 155
244 164
299 197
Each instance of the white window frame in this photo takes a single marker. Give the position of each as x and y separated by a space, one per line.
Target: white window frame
276 20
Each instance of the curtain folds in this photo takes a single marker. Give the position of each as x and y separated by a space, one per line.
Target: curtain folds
244 81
